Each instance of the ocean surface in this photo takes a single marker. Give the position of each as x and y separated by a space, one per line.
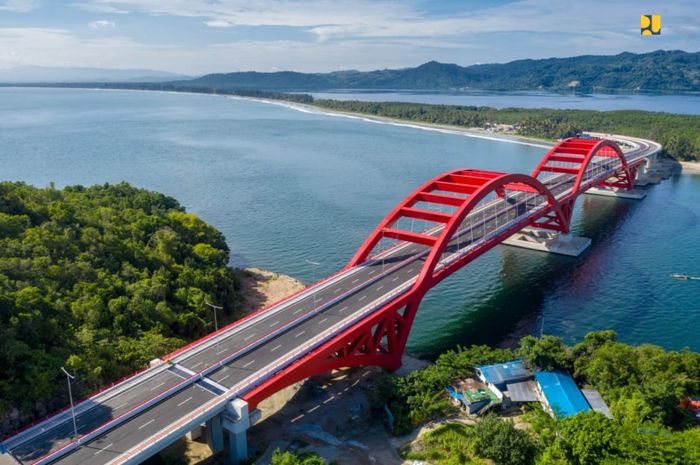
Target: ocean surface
687 104
287 186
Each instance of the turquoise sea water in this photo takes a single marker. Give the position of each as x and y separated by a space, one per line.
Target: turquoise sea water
286 186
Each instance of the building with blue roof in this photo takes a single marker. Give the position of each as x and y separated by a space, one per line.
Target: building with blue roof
560 394
501 374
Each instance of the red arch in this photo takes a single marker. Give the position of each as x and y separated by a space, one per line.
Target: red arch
577 154
380 339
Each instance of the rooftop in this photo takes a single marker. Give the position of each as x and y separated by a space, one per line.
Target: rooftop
506 372
562 395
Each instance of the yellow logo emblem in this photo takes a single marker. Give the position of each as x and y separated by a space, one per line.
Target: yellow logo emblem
651 25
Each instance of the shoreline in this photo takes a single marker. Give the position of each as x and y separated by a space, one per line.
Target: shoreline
690 167
477 133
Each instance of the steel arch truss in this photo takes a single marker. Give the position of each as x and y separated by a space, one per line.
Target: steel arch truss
582 161
449 205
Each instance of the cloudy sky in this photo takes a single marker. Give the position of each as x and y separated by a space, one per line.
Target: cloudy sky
201 36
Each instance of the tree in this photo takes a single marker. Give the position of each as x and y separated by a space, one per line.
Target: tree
546 353
588 438
498 440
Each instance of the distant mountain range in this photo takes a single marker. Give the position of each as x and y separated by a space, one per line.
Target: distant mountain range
41 74
659 71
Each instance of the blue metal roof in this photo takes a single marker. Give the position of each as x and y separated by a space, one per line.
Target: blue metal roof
506 372
562 394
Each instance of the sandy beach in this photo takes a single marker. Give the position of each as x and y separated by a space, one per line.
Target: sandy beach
690 167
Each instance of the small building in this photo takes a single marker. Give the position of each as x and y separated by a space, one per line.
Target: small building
501 374
596 402
559 393
472 395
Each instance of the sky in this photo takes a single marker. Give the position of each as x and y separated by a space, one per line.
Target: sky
195 37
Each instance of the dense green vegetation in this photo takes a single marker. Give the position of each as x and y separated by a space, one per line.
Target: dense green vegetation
656 71
289 458
642 384
679 134
99 280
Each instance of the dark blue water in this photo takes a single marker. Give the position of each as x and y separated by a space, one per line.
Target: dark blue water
286 186
688 104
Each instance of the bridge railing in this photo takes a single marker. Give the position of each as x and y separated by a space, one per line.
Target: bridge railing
216 405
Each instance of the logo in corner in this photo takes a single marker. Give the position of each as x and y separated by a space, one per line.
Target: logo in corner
650 25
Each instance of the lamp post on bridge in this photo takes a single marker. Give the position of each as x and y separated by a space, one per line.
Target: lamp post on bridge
313 277
215 308
70 394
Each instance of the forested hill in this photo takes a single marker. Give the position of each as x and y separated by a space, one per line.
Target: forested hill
100 280
659 71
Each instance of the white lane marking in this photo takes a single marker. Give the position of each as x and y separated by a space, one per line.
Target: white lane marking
156 387
119 406
337 290
297 311
105 447
276 347
182 403
355 383
329 399
363 297
248 364
222 351
196 365
343 309
356 280
223 378
249 336
312 409
372 272
297 418
274 323
395 279
299 334
380 288
322 320
410 270
366 373
148 422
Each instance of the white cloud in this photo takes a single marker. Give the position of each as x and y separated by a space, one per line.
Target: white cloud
103 24
218 23
19 6
362 34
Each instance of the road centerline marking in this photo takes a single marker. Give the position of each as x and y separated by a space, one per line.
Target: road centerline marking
150 421
105 447
183 402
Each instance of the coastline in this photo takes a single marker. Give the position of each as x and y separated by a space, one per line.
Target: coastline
477 133
690 167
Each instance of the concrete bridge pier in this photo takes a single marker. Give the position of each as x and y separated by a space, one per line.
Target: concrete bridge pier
548 241
215 434
236 421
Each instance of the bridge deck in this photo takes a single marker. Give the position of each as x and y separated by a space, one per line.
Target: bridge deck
250 349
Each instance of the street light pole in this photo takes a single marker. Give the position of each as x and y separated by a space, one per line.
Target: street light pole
70 394
313 277
215 308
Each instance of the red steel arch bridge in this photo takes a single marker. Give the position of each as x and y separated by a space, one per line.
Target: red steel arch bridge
359 316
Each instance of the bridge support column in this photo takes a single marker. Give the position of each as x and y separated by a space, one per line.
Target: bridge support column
549 241
215 434
236 421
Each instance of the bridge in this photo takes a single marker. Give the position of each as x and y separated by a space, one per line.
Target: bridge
359 316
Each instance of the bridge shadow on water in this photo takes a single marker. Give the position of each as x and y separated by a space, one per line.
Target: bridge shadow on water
511 308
